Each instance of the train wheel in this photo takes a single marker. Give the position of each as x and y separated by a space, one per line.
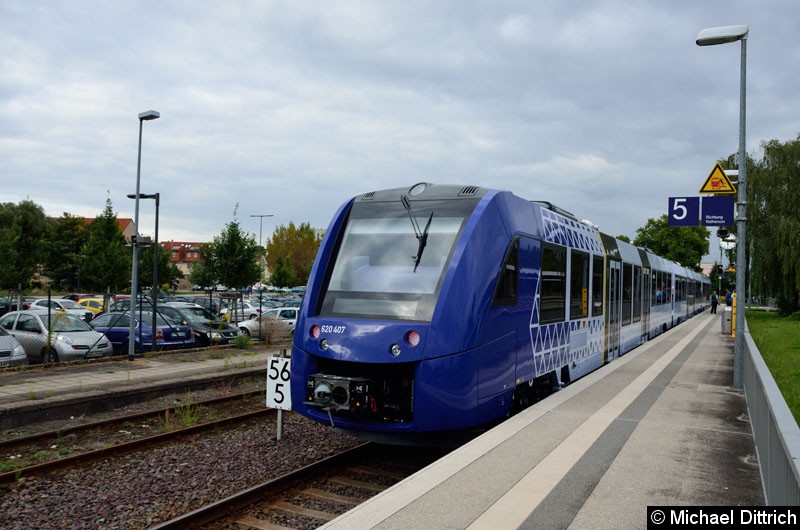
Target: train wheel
524 397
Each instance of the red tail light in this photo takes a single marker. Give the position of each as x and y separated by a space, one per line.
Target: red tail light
412 337
159 334
314 332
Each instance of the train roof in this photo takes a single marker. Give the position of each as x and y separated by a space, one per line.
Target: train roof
425 191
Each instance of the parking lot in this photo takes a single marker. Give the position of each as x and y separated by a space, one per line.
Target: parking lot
72 327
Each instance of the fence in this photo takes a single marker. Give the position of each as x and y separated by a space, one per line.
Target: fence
776 434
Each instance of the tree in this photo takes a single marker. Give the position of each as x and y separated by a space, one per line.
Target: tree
168 273
283 274
773 223
22 228
108 260
201 275
685 244
296 246
232 258
624 238
63 247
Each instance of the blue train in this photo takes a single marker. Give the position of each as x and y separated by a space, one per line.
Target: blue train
444 309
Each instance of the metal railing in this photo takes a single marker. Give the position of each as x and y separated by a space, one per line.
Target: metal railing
775 431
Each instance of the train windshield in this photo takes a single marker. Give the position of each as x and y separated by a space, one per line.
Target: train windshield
379 271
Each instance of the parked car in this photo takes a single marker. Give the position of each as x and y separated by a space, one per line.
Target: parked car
11 351
95 305
26 302
242 309
5 305
208 328
263 325
70 338
213 304
170 335
63 304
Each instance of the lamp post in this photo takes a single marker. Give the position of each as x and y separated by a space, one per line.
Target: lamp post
154 289
711 37
260 224
143 116
260 292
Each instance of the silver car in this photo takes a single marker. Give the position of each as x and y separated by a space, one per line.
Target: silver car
69 306
70 338
286 317
11 351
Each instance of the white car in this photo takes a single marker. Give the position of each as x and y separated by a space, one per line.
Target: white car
255 327
243 309
69 306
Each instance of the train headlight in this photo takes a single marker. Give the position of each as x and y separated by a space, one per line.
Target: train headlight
314 332
412 338
395 350
322 394
323 344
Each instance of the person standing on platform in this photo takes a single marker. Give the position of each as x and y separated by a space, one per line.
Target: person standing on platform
714 302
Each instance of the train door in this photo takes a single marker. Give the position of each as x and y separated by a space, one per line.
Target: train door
613 308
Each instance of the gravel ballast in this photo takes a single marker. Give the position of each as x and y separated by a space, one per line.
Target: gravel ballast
142 489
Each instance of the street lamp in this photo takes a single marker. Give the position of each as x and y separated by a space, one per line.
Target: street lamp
260 298
711 37
143 116
154 289
260 224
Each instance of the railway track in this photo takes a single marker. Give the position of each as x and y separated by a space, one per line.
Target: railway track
313 495
67 447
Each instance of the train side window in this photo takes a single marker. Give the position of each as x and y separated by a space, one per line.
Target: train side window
579 285
553 285
627 293
637 294
653 288
597 286
507 284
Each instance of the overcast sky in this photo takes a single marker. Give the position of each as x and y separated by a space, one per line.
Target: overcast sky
605 108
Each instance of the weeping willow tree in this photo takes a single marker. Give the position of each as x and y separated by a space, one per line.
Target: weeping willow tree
773 223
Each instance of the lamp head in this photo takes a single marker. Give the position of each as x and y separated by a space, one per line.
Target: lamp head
149 115
722 35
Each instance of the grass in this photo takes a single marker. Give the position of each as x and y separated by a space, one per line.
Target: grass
778 339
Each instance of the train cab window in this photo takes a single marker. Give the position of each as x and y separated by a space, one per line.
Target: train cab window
379 269
597 286
627 293
579 285
508 280
637 293
553 286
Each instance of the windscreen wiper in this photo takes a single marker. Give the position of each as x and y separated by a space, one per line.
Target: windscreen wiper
422 235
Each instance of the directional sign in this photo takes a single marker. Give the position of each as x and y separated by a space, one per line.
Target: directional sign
683 211
718 182
717 211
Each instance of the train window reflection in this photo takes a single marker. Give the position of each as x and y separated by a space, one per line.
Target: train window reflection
552 300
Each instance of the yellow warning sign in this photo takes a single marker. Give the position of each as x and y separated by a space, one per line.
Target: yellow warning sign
718 182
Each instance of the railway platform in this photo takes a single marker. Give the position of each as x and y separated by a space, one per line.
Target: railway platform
42 393
659 426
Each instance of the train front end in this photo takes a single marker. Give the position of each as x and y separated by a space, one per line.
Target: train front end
379 346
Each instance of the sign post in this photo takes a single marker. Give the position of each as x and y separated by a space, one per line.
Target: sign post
279 394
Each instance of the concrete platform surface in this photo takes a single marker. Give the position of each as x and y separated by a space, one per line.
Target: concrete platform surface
658 426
